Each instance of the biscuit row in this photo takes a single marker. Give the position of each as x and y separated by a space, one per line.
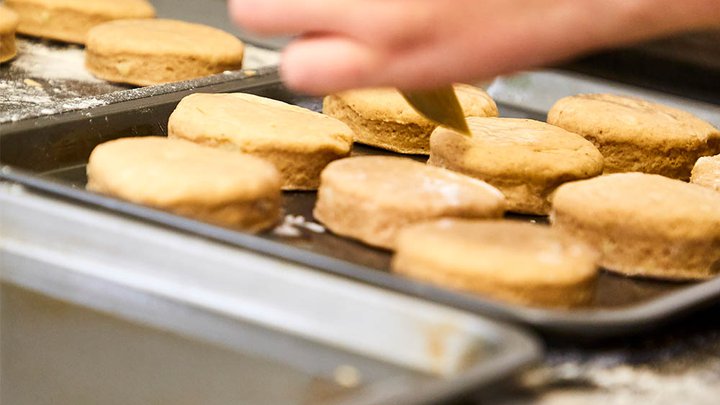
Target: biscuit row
123 42
225 161
300 144
442 219
644 220
71 20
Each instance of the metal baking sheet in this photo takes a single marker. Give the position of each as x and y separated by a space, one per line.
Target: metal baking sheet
50 154
49 77
146 315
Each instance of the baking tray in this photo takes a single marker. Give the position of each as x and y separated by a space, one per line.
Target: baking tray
49 77
687 64
49 155
105 310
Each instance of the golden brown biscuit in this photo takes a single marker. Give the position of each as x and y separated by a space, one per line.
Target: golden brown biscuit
381 117
216 186
706 172
70 20
298 141
8 26
371 198
634 135
512 261
644 224
524 159
150 51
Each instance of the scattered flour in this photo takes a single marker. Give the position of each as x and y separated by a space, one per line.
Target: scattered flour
17 92
47 79
50 78
285 229
256 58
39 60
678 367
291 223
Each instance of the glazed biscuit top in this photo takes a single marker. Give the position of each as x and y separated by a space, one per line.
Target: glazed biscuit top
388 104
164 37
509 251
257 122
641 200
8 20
405 183
162 171
531 147
622 118
106 8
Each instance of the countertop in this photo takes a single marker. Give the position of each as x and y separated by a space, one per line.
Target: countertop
678 364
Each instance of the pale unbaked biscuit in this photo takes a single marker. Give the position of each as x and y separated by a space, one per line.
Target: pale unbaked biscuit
644 224
224 188
706 172
382 117
8 26
150 51
636 135
70 20
527 160
300 142
371 198
512 261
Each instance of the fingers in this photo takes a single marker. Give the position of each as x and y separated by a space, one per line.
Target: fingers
390 22
328 63
324 64
422 43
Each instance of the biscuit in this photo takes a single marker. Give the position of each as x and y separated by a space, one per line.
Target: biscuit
525 159
634 135
216 186
150 51
706 172
371 198
381 117
644 224
298 141
8 26
70 20
511 261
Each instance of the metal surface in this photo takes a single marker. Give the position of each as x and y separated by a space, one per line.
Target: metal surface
49 155
538 91
282 330
441 106
687 64
674 365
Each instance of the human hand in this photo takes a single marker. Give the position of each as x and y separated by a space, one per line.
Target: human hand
426 43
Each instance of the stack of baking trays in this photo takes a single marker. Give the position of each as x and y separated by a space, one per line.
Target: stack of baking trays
104 301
